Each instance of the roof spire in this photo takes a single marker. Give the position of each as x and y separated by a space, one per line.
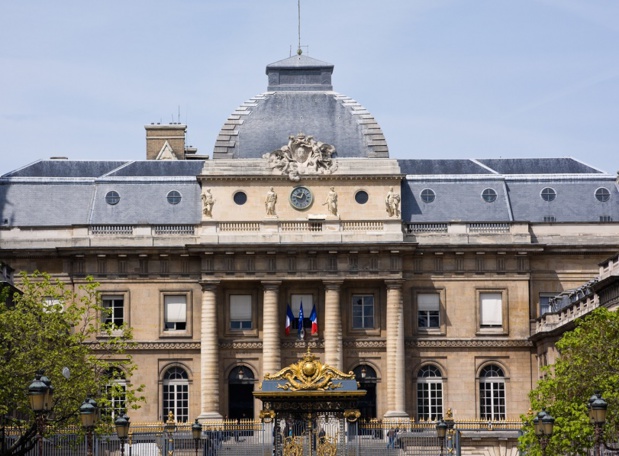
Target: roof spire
299 51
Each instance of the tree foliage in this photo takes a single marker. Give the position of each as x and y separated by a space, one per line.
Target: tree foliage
52 326
588 361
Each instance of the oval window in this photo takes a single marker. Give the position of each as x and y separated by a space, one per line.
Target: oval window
112 198
361 197
428 195
489 195
240 198
602 194
548 194
174 197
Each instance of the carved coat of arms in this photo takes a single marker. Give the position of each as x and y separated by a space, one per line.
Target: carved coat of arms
302 155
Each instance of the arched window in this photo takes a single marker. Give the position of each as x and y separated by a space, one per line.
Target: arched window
367 378
176 394
492 393
429 393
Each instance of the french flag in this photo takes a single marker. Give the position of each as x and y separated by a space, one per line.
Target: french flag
314 319
289 318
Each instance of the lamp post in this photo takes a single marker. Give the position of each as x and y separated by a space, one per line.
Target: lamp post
122 431
543 424
40 394
196 432
597 415
88 416
170 429
441 431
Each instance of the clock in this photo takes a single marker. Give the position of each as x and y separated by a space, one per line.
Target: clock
301 198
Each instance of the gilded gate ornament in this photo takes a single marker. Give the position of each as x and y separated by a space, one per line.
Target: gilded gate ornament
309 374
302 155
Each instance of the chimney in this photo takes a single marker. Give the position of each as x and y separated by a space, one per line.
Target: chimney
165 142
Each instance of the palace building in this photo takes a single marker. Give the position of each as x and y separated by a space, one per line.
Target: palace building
424 276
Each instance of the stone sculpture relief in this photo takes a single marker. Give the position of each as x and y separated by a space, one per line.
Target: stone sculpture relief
270 201
207 203
392 203
331 201
302 155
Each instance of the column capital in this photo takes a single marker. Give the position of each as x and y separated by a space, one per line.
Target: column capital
271 284
394 284
332 284
209 285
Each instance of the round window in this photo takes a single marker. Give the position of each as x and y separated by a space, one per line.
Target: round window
428 195
240 198
174 197
602 194
112 198
548 194
361 197
489 195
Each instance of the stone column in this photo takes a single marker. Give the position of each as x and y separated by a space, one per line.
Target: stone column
271 327
396 390
333 325
209 354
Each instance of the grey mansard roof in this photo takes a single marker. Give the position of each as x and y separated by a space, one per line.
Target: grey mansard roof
72 193
518 184
300 99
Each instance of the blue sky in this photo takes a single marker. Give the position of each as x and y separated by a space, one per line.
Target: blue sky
444 78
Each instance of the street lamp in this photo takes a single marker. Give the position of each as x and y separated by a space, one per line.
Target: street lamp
122 431
543 424
88 415
441 431
170 429
40 394
196 432
597 415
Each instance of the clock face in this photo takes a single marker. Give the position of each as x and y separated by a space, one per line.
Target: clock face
301 198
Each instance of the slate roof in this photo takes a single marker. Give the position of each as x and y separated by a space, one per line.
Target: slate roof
300 99
46 193
518 184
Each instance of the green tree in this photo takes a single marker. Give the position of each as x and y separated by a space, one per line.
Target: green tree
588 361
51 326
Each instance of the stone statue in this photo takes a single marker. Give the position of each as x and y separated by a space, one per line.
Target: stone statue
392 203
331 201
301 156
207 203
269 202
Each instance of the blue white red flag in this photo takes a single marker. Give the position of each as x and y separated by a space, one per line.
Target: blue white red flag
314 320
289 318
301 328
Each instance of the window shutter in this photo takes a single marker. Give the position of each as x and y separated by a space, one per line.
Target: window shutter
491 309
240 307
176 309
427 301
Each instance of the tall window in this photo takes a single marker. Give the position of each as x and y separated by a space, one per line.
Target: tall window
116 391
175 312
428 315
492 393
429 393
240 312
295 305
176 394
491 310
363 311
113 311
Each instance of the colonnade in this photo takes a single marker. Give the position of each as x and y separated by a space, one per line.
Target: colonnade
271 342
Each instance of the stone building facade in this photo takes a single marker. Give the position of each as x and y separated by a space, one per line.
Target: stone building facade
426 275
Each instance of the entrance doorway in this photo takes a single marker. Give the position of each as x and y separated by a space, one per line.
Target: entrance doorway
240 393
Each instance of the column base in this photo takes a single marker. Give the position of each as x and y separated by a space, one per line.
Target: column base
395 414
209 416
